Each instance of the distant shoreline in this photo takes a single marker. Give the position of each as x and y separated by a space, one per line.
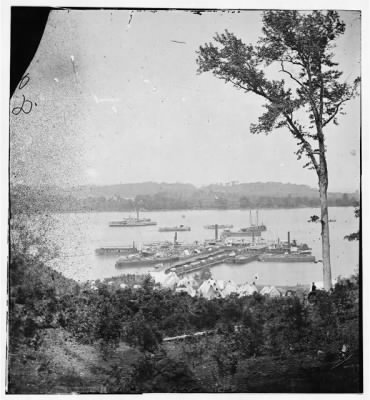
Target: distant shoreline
188 209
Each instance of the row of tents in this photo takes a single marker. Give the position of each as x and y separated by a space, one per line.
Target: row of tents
209 288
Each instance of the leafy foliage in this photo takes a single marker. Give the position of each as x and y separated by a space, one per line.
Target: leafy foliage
301 44
244 328
354 235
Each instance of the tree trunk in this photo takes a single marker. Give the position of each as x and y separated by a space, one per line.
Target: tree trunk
325 235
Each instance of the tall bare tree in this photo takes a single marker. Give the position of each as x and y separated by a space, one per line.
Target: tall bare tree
301 44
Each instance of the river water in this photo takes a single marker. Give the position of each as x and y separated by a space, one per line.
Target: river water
79 234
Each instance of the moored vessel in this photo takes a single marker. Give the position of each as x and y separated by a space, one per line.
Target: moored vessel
283 258
180 228
219 226
131 222
143 261
240 233
107 250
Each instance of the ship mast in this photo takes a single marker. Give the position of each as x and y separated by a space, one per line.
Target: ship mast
257 216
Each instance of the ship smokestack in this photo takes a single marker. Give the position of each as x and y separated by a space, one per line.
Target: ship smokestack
216 232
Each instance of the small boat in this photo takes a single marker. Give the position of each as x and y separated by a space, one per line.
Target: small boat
116 250
180 228
240 233
131 222
283 258
219 226
254 228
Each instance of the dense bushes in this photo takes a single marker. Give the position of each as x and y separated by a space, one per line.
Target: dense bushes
253 327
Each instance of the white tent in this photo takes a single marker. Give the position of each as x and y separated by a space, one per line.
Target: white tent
221 284
171 280
246 289
187 281
209 289
230 287
270 291
158 276
123 285
274 292
265 290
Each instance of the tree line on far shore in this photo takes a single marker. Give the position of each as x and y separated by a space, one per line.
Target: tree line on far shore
26 199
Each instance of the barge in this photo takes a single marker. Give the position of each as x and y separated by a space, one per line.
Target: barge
145 261
131 222
108 250
284 258
181 228
219 226
245 258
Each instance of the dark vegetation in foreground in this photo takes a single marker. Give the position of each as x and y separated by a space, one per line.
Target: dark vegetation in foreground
64 337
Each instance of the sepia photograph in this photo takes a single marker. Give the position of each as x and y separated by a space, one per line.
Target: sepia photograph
185 201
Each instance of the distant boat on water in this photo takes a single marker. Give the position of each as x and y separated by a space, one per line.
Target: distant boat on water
254 230
116 250
254 227
180 228
240 233
131 222
219 226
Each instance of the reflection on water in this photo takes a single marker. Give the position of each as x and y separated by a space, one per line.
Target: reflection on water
78 235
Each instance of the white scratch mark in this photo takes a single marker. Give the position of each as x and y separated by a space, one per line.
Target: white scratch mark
56 79
106 100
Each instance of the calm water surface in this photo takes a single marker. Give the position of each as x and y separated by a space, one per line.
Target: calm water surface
79 234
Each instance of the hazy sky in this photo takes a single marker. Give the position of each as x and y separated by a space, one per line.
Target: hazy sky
119 100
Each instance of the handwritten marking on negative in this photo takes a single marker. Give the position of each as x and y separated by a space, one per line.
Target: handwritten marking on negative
27 105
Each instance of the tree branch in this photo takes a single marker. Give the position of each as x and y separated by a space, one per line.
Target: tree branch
291 76
335 112
307 146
